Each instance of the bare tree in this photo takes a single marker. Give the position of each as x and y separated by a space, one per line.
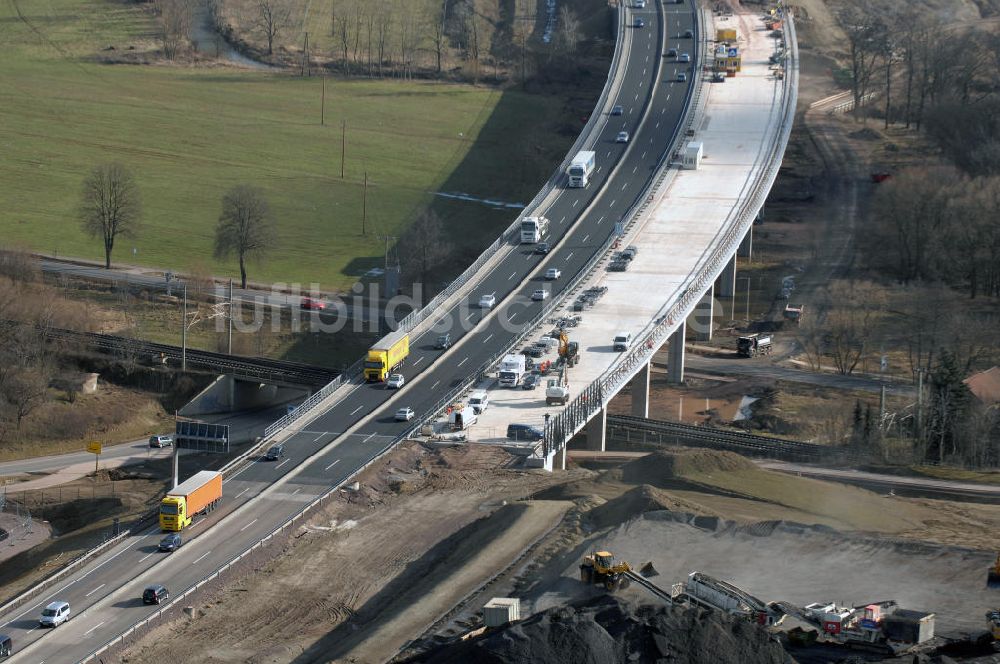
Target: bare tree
272 17
110 206
439 37
850 323
866 37
176 17
245 228
384 28
26 390
570 31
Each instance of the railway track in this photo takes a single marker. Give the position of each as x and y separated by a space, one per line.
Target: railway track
628 429
250 367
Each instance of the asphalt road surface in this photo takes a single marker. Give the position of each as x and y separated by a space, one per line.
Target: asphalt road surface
104 595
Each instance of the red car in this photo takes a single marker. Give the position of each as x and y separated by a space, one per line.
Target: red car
312 305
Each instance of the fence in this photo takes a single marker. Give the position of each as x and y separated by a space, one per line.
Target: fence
561 428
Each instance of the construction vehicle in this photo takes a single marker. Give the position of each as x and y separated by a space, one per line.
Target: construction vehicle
512 368
793 312
993 623
993 577
557 390
753 345
602 568
704 590
569 351
386 356
200 493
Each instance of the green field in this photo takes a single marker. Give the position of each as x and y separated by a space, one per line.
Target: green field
190 132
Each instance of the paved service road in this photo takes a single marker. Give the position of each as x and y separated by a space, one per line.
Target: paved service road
312 463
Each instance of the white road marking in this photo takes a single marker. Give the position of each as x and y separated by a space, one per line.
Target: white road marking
634 170
419 360
241 493
563 219
570 256
331 465
470 316
87 633
487 338
600 220
435 384
657 126
369 438
144 557
201 556
624 185
96 589
512 275
586 237
353 412
314 440
643 154
613 203
609 153
296 491
511 317
576 202
282 464
248 525
464 361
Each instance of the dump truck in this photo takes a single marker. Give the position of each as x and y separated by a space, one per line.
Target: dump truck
386 356
601 567
793 312
199 494
753 345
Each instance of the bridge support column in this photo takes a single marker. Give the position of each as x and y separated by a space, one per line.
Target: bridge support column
726 283
596 429
675 355
745 250
640 392
703 314
559 460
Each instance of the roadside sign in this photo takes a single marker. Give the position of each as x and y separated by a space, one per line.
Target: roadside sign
94 447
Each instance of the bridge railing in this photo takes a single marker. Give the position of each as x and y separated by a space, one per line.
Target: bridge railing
590 401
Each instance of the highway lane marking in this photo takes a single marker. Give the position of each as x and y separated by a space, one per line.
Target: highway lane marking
93 628
636 98
144 557
241 493
586 237
643 154
369 438
600 220
576 202
356 410
488 338
664 108
512 275
331 465
511 317
282 464
634 170
245 527
657 126
98 588
613 203
563 219
624 185
435 384
296 491
609 153
570 256
419 360
317 437
644 69
470 316
463 361
201 556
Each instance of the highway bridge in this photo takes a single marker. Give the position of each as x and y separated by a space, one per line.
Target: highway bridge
349 424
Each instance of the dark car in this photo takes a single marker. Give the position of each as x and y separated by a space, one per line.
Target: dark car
524 432
688 34
630 252
275 452
530 382
443 342
542 248
155 594
671 52
6 646
533 351
617 110
171 542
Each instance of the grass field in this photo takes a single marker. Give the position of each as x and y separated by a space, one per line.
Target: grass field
189 133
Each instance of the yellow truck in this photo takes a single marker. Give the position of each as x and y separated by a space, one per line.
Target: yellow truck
386 356
199 493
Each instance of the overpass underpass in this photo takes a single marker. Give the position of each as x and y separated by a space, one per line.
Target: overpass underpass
688 239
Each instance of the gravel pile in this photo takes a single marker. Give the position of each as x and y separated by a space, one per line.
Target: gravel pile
663 466
607 629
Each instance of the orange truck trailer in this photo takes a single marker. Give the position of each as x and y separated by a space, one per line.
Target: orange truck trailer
200 493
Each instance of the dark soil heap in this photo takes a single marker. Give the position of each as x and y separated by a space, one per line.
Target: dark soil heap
663 467
607 629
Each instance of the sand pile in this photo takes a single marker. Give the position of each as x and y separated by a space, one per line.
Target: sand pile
661 467
608 629
634 503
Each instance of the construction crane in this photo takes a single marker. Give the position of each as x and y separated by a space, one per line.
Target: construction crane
602 568
993 576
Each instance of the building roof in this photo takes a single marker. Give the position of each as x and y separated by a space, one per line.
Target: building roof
985 385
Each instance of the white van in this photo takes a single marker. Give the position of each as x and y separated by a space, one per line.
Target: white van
479 400
622 341
55 614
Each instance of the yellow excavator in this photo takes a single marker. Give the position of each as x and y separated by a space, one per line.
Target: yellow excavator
993 576
601 567
568 350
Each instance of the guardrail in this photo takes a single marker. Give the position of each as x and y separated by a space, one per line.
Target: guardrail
567 423
303 408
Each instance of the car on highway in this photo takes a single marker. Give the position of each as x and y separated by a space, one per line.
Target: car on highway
671 52
688 34
404 414
155 594
542 248
170 543
639 23
312 304
394 382
539 294
640 4
487 301
54 614
684 57
617 109
443 342
553 273
6 646
530 382
164 440
622 137
275 452
682 77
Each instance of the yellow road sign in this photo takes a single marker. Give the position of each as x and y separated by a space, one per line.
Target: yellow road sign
94 447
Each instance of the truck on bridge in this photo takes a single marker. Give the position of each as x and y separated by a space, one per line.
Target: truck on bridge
512 369
533 229
386 356
200 493
581 168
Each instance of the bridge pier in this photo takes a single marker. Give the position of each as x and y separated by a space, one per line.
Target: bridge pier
675 355
702 316
559 460
745 250
726 283
596 429
640 392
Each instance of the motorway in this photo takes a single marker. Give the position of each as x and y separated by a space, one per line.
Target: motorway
104 594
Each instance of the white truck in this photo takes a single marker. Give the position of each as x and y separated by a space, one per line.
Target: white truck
461 418
512 369
556 392
533 229
581 168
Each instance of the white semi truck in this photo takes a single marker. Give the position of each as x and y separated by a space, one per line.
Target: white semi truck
512 369
581 168
533 229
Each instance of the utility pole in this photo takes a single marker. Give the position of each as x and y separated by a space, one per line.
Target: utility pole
184 332
305 56
322 104
230 344
343 145
920 404
364 206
